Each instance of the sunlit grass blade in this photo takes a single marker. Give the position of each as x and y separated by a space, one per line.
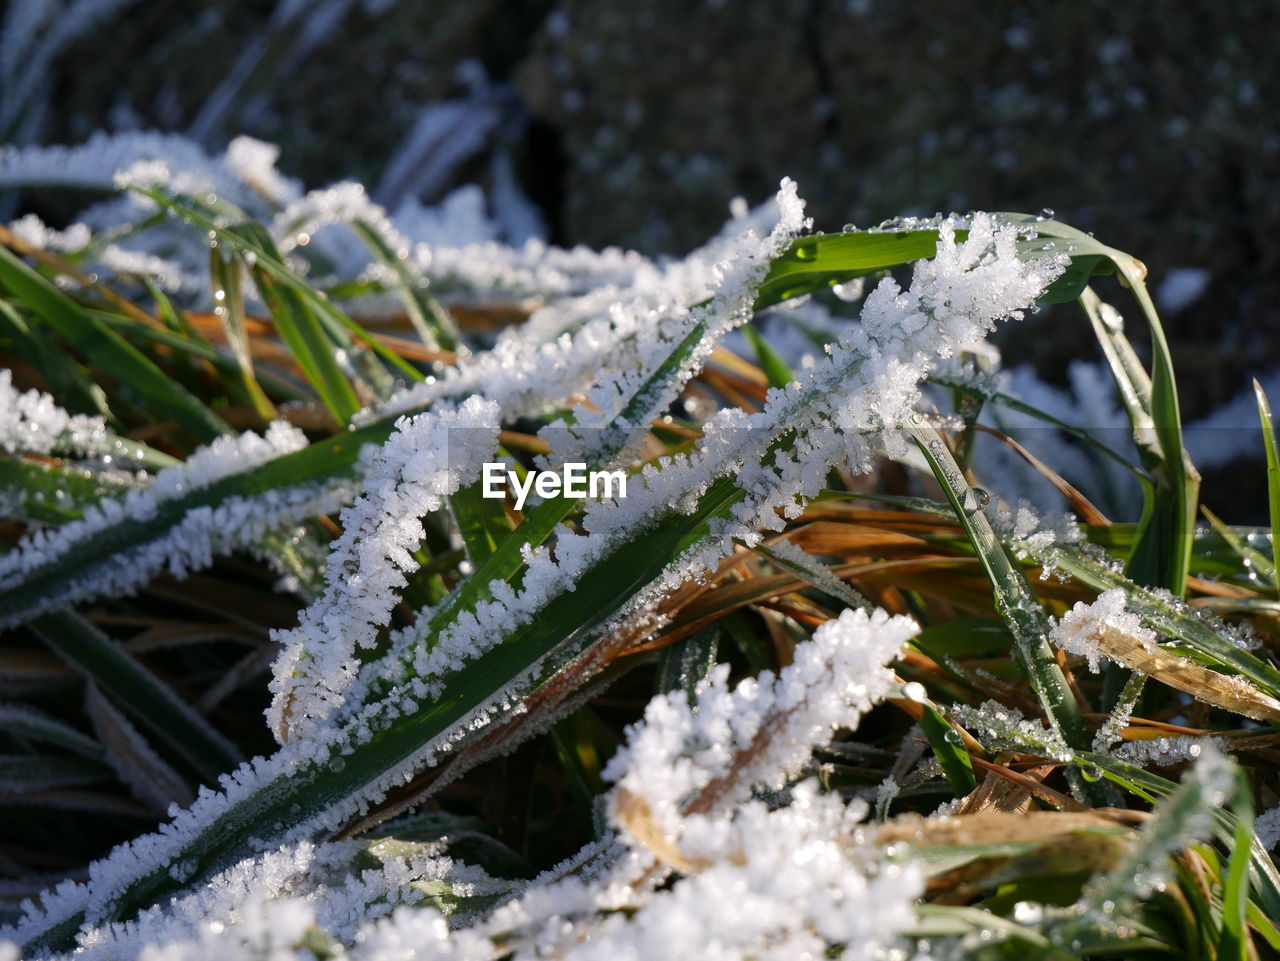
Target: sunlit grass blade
1273 471
431 321
1015 600
253 243
228 294
1233 941
949 751
136 376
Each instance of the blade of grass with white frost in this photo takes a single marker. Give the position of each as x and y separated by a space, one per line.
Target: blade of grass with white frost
253 242
50 493
1015 600
1162 614
136 374
22 722
1264 877
67 577
431 321
148 698
685 517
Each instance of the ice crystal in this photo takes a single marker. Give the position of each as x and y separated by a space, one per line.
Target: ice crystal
1077 632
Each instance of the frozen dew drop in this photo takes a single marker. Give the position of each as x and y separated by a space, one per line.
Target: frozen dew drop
975 499
915 691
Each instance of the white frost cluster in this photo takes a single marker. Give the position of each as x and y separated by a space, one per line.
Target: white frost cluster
1077 632
713 753
31 422
789 881
1165 751
427 458
1267 827
193 540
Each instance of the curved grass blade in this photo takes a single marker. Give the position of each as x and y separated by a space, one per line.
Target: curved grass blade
432 322
328 461
228 295
22 722
1168 619
1015 600
1162 553
1273 471
949 751
135 374
141 692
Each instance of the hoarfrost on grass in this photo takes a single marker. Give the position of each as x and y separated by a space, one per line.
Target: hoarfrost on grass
1078 630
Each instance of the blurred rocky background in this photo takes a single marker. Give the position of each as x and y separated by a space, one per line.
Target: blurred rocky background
635 122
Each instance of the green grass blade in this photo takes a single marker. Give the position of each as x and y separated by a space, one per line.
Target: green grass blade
135 374
228 294
823 260
1015 600
775 368
949 750
482 521
51 493
138 690
310 346
1273 470
1233 940
328 461
432 322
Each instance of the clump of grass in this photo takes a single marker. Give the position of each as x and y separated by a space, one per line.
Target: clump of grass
276 506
